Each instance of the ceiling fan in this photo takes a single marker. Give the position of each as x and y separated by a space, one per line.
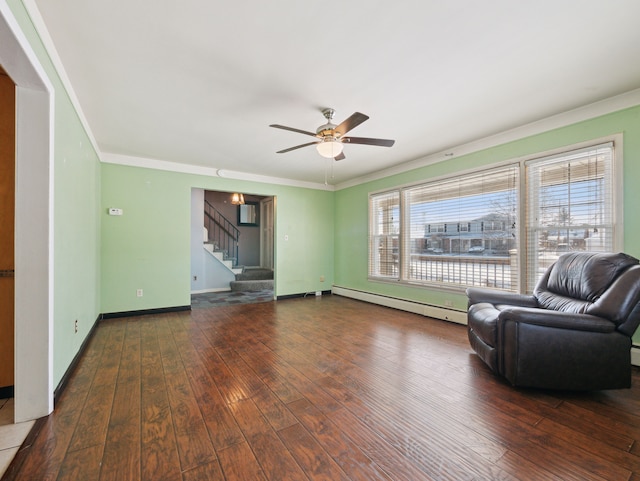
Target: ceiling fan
331 137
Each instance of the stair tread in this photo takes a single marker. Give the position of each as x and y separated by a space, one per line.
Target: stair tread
251 285
255 274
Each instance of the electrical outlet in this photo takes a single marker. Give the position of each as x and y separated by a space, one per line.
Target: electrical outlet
75 326
139 293
321 278
448 303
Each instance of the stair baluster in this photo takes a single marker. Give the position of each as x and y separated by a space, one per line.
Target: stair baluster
222 233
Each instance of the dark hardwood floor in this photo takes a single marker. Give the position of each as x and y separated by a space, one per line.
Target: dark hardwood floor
322 388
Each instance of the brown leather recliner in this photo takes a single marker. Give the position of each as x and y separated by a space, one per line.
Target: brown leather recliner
573 333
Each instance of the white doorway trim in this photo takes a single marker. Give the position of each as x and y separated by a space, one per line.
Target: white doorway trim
267 215
34 222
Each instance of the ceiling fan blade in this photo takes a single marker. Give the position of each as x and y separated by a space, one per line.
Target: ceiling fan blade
284 127
368 141
296 147
340 156
351 123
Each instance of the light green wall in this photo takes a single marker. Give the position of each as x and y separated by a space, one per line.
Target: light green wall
76 251
352 203
149 247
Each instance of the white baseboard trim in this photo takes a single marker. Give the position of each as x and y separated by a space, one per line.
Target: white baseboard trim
215 289
451 315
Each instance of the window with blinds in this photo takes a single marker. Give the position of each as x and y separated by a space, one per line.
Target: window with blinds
569 206
460 230
464 230
384 235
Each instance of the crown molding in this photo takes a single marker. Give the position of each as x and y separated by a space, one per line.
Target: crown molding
233 174
586 112
149 163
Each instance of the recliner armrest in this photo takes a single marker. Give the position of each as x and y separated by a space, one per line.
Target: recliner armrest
492 296
557 319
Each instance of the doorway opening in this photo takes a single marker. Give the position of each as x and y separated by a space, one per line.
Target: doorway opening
232 248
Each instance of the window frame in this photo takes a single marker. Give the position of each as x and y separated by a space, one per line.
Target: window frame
388 237
521 258
615 186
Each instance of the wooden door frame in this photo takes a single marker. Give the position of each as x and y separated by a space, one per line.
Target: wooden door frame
34 209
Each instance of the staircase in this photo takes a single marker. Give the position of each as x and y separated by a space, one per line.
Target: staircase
221 241
253 279
221 235
211 247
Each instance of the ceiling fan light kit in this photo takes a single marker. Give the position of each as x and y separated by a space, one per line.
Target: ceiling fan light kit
331 140
329 148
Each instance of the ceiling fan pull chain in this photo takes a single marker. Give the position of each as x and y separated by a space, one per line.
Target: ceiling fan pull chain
326 169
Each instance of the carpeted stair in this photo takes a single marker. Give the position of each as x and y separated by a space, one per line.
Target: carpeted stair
253 279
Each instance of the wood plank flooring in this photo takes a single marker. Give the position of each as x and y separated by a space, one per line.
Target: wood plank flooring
323 388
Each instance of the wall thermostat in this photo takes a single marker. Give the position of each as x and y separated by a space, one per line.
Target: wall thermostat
115 211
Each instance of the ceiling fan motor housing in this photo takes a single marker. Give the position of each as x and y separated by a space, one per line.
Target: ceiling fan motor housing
327 129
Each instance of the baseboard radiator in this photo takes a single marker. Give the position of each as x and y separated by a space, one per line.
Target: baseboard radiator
427 310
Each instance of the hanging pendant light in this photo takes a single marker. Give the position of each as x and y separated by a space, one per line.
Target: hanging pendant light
237 199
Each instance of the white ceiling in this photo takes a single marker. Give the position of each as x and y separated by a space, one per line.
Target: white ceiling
199 81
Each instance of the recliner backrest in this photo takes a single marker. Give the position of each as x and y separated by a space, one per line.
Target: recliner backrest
620 302
578 279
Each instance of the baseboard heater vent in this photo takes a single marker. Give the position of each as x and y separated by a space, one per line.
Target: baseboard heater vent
459 317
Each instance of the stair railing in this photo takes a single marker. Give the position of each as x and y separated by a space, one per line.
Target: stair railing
222 233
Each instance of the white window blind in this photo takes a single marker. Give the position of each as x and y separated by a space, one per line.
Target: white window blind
460 230
569 206
384 235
